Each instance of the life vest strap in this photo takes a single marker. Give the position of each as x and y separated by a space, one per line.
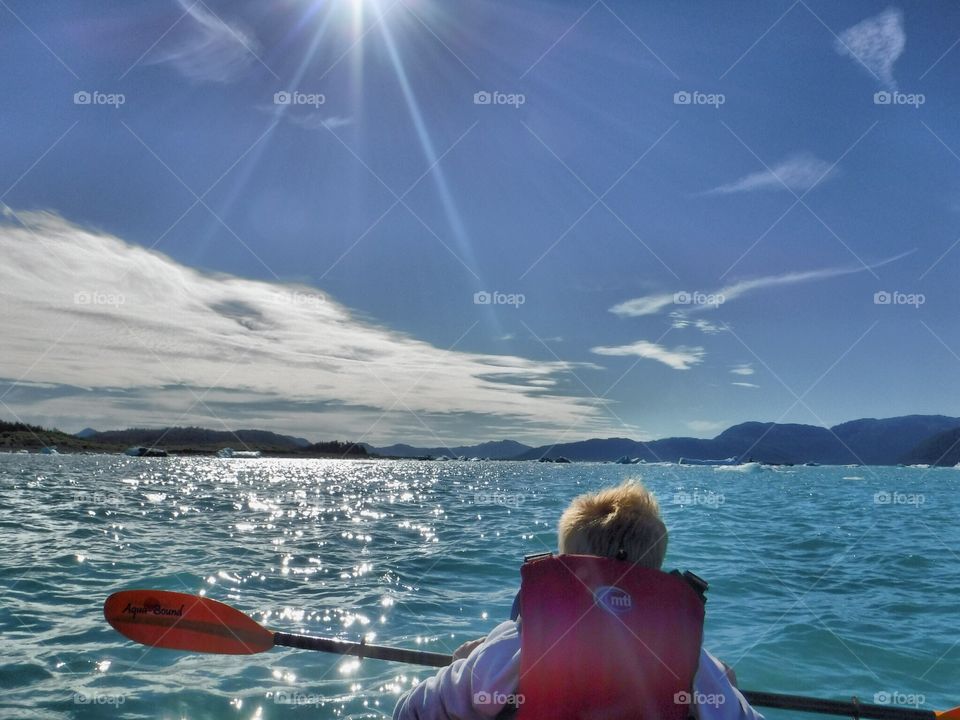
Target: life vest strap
699 585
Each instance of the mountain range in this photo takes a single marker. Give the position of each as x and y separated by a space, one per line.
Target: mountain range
195 437
494 450
933 439
178 440
910 439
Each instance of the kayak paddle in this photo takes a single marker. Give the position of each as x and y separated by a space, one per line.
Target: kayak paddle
179 621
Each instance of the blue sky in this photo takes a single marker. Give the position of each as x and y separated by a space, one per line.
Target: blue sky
683 213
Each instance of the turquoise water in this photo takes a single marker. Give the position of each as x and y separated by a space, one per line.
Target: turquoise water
824 581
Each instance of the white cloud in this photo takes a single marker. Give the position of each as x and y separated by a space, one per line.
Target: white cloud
205 48
680 321
876 43
798 173
315 121
653 304
705 326
679 358
336 121
147 336
306 119
745 384
744 369
706 426
646 305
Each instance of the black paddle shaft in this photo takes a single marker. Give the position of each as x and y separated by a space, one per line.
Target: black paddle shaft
853 709
361 650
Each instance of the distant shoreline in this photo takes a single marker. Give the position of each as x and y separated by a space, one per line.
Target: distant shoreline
320 456
33 450
906 440
176 441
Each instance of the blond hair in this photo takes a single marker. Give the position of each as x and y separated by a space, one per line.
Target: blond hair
619 522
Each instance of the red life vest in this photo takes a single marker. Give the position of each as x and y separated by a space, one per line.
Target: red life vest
606 640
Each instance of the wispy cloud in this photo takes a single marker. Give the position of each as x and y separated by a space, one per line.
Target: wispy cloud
744 369
745 384
315 121
680 321
706 426
336 121
304 118
798 173
144 337
679 358
654 304
205 48
876 43
646 305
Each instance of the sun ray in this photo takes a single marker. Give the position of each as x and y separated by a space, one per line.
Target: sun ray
461 237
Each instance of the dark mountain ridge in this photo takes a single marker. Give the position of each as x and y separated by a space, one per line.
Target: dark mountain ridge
199 437
493 450
867 441
941 449
933 439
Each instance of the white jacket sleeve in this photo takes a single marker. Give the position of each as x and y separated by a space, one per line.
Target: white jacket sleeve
474 688
715 697
481 685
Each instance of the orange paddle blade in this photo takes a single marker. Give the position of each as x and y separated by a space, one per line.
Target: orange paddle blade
952 714
179 621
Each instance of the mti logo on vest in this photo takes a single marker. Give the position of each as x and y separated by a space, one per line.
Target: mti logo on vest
613 599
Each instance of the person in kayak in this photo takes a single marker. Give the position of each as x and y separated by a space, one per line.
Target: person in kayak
577 648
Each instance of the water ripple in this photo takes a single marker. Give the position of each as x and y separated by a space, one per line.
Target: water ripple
808 572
